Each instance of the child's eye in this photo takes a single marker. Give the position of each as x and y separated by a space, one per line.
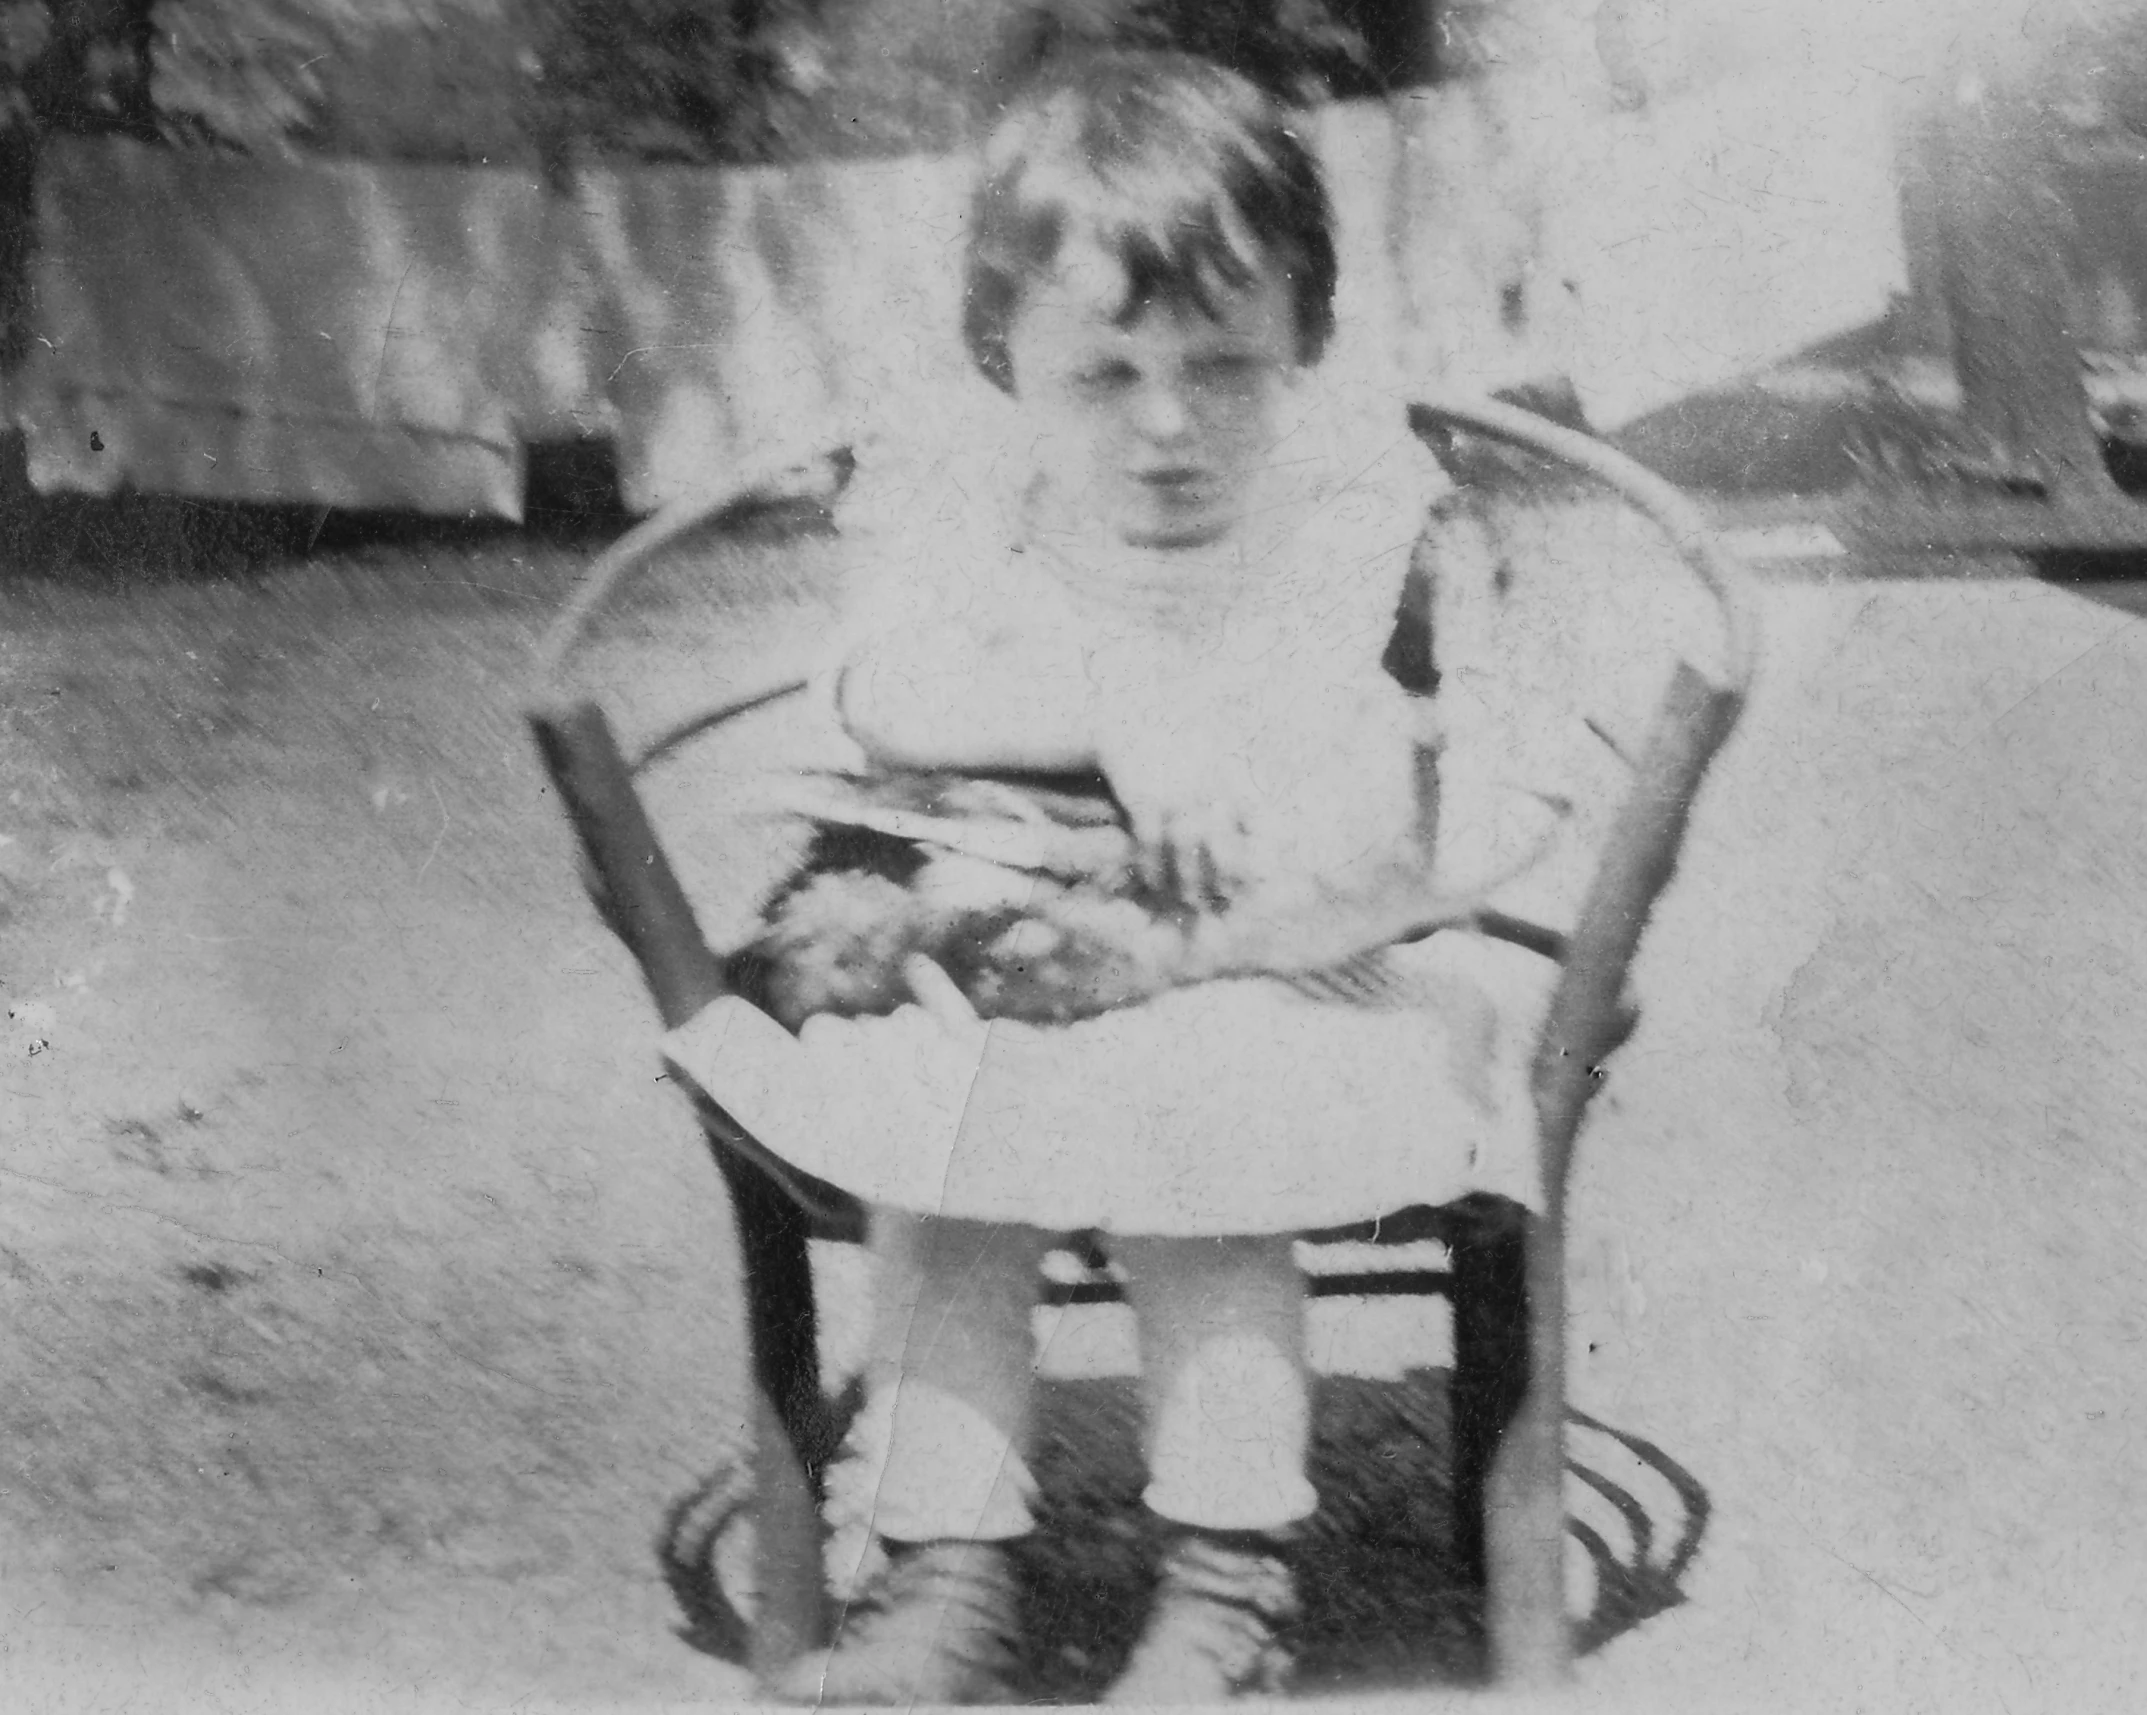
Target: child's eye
1112 376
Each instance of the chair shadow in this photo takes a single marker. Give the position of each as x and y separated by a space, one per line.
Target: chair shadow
1387 1599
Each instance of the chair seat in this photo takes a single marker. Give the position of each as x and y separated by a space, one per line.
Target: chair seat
833 1216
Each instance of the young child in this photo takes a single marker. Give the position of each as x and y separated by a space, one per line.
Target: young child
1166 558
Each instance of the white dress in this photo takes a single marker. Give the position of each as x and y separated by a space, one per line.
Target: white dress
1248 1105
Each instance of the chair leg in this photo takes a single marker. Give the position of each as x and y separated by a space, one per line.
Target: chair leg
782 1320
790 1426
1491 1359
1524 1494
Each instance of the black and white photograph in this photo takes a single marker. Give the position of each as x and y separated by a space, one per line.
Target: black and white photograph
1151 853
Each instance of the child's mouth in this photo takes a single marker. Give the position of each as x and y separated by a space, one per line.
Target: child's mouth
1177 506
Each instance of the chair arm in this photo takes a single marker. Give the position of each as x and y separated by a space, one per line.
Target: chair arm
648 908
1688 531
1588 1015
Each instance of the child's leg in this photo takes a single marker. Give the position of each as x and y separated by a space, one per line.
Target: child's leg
953 1364
1222 1339
954 1350
1229 1427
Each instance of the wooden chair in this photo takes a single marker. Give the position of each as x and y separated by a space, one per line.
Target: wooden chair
1507 1279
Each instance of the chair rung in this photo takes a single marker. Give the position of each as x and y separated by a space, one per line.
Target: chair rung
1365 1283
1385 1283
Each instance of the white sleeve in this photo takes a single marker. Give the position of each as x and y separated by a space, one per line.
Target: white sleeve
912 553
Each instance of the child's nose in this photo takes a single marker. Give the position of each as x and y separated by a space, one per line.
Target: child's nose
1163 413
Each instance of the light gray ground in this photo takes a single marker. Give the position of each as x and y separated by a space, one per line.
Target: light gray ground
364 1297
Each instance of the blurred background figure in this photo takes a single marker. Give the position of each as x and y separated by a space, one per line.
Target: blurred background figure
514 238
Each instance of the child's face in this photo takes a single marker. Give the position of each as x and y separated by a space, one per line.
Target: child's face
1156 427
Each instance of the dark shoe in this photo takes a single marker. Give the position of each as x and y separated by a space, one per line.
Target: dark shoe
936 1626
1212 1634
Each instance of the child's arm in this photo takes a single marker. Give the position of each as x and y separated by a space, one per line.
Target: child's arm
953 654
1210 762
969 694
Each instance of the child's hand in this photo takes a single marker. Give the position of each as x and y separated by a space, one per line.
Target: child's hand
948 1008
1188 809
910 1074
1246 784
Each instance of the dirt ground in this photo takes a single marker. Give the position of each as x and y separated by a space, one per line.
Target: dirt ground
367 1297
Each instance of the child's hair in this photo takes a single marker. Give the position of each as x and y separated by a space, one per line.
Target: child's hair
1183 171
